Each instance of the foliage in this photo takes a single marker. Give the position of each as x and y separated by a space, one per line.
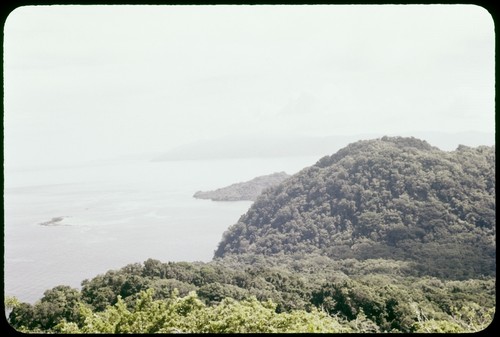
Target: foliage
57 304
11 302
189 315
390 198
291 291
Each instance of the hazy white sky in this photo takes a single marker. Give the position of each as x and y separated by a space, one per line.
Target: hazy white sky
84 82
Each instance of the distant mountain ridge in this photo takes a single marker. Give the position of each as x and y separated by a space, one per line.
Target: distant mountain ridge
248 190
393 198
259 146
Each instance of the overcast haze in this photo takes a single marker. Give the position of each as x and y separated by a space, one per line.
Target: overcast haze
91 82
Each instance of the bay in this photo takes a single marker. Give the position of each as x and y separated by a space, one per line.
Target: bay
111 213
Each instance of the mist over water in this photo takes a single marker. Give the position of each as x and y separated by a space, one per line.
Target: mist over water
109 214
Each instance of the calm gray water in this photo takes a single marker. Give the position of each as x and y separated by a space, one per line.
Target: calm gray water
116 213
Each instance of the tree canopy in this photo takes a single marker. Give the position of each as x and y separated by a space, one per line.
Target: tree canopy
397 198
244 293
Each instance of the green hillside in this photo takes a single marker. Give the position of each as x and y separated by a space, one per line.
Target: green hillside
395 198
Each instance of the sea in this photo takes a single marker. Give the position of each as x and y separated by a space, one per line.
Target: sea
65 224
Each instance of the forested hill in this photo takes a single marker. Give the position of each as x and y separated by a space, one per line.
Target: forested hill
392 198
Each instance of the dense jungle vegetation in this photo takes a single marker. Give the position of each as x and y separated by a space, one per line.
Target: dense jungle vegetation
386 235
396 198
248 293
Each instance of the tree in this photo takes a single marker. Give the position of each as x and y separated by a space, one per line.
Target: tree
57 304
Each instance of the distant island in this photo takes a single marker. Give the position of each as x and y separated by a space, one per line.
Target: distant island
248 190
55 221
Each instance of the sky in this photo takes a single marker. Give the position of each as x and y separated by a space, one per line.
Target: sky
92 82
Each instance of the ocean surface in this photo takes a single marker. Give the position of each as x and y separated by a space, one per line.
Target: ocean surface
116 212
